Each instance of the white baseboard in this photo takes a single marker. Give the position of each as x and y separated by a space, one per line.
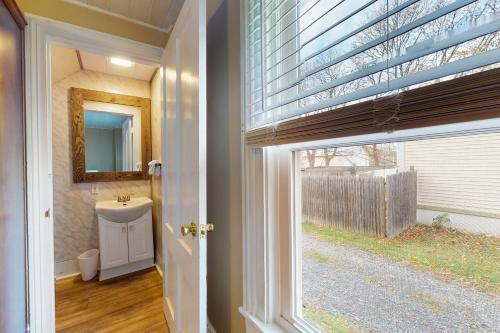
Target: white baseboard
62 277
159 259
158 268
65 269
69 268
210 328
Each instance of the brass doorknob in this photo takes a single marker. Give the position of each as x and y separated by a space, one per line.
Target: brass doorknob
189 229
210 227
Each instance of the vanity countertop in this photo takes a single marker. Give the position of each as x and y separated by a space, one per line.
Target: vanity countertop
123 212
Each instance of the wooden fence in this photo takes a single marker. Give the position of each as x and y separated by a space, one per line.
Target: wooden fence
368 205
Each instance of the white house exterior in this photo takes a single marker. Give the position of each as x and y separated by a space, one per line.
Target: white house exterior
459 176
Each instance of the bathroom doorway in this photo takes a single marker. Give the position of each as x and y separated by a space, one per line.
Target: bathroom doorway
106 128
129 247
61 204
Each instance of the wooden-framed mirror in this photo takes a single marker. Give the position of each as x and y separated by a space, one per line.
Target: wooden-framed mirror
111 136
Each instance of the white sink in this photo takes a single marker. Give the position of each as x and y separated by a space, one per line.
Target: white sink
115 211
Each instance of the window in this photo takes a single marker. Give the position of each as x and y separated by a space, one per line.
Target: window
352 86
393 233
305 56
382 232
399 236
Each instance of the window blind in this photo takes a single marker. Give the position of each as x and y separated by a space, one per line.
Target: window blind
467 98
307 56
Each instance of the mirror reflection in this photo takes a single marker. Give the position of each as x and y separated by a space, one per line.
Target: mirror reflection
112 137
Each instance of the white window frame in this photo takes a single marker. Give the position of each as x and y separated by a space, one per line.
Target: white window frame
271 285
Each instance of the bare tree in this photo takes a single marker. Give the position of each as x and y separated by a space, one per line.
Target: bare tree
380 155
326 156
373 153
311 157
329 157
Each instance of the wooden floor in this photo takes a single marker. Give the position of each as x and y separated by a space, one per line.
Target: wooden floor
128 304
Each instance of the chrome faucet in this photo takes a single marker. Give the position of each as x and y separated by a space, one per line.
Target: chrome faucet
123 198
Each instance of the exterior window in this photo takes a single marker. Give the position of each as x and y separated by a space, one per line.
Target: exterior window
398 237
384 225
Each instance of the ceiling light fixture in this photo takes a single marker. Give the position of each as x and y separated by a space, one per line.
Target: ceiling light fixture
121 62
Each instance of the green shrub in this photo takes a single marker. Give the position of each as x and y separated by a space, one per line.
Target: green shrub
442 220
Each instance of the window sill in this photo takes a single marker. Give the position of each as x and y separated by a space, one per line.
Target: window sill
255 325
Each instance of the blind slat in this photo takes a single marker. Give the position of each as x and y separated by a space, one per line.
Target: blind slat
322 32
480 60
392 34
338 41
253 71
474 32
278 33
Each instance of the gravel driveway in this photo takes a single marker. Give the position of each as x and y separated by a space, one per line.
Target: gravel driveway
377 294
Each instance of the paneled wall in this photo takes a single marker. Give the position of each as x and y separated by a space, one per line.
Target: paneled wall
75 221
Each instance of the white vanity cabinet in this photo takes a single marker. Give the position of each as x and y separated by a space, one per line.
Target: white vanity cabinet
113 242
125 237
140 240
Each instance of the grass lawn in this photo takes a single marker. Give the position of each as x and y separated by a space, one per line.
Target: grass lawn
325 321
468 258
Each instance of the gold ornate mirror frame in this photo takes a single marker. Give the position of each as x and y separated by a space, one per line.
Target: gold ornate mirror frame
77 97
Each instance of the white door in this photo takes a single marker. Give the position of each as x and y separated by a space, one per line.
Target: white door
113 243
140 239
127 146
184 61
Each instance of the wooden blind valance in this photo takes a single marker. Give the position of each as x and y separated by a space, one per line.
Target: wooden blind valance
468 98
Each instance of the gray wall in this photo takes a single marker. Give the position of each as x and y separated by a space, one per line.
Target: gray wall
12 178
225 277
118 137
99 149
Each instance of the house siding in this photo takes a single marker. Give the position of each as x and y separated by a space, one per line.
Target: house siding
458 174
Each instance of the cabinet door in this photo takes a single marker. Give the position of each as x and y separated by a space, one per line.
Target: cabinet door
140 238
113 244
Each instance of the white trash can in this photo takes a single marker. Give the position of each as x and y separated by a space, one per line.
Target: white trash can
88 264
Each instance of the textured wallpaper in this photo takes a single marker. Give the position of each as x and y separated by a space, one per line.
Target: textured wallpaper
75 221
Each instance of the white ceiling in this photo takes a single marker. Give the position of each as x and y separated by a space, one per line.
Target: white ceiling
161 14
99 63
65 62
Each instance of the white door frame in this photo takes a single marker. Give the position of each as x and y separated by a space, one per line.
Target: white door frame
39 36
